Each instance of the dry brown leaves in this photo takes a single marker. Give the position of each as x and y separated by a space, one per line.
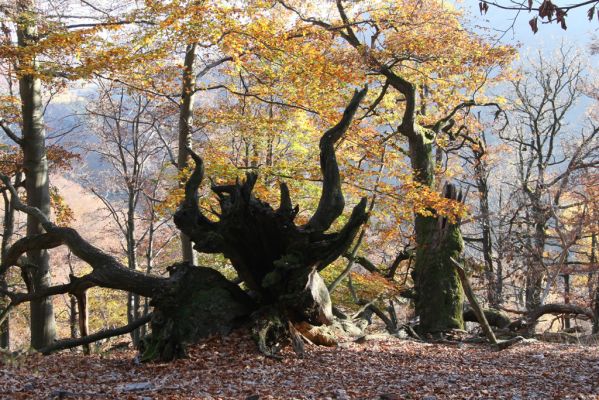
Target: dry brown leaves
386 368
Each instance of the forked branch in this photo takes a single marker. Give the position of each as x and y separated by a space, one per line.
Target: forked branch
331 203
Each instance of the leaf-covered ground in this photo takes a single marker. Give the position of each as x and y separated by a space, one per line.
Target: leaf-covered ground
384 368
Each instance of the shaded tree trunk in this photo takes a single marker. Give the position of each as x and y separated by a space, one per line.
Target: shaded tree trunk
536 271
7 235
438 289
566 298
83 318
73 316
277 260
439 294
43 329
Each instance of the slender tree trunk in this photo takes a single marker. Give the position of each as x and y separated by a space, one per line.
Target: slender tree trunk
73 317
7 235
149 265
43 326
566 298
185 131
83 319
596 299
133 303
492 277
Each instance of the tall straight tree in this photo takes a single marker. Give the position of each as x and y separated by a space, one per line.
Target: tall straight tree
33 144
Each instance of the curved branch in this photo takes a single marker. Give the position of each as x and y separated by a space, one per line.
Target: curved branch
331 202
23 245
76 286
107 271
188 217
9 132
408 89
557 308
333 246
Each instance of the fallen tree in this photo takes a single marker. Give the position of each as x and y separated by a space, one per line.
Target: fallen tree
277 260
557 308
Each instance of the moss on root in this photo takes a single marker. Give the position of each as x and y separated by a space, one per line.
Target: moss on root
199 303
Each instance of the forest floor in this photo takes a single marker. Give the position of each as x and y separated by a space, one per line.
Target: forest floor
381 368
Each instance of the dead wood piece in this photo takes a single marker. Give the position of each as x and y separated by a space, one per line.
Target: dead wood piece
504 344
558 337
318 335
480 315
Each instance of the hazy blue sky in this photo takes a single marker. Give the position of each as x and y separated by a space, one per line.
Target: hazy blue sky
580 30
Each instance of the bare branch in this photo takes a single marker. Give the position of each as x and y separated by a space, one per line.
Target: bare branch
9 132
105 334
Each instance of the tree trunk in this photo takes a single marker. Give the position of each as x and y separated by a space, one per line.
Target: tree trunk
7 235
536 270
43 328
439 294
595 301
83 318
277 260
133 303
185 131
493 277
566 298
73 316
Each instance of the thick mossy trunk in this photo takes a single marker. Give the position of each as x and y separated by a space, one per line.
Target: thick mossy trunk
198 303
439 295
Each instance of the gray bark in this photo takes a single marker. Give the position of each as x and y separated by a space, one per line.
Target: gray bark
133 299
43 326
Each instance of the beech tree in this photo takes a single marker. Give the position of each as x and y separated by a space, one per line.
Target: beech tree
408 64
33 145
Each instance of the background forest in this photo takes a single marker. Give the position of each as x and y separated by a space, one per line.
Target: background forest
455 152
